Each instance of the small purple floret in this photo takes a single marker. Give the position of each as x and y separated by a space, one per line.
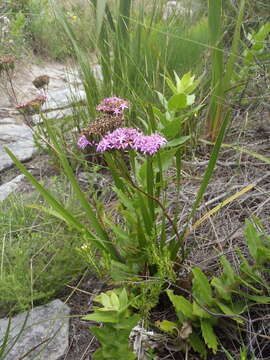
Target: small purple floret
83 142
124 138
149 144
119 139
113 105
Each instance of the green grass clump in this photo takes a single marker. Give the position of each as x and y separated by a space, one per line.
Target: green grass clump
38 251
184 43
46 36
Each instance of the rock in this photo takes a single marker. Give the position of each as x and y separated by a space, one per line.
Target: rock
55 114
46 332
19 139
182 8
8 121
11 186
63 98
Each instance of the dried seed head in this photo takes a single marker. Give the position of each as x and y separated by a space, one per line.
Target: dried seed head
102 125
7 62
41 82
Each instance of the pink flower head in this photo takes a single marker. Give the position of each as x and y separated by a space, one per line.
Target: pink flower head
22 106
149 144
120 139
113 105
41 97
83 142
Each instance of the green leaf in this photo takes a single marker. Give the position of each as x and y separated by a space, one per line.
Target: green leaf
177 102
259 299
199 311
197 344
162 99
176 142
123 299
201 288
100 316
228 270
229 311
209 335
253 240
167 326
181 305
190 99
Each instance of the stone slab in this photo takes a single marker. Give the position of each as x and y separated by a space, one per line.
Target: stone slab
9 187
47 325
17 138
63 98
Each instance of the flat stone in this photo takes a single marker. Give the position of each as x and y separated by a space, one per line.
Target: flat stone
17 138
9 187
63 98
8 120
55 114
45 332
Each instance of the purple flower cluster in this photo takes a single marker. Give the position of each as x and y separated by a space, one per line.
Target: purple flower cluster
83 142
113 105
119 139
149 144
124 138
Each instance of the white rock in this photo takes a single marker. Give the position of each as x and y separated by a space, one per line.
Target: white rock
9 187
63 98
55 114
46 331
8 121
176 8
18 139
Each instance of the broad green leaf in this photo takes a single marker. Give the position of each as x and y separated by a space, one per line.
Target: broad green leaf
114 301
177 102
253 240
172 128
105 300
221 289
197 344
176 142
209 336
181 305
167 326
123 299
199 311
263 255
161 117
162 99
201 288
190 99
106 317
229 311
228 270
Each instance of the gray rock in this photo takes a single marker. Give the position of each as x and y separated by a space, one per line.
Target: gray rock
9 187
8 121
45 331
17 138
55 114
63 98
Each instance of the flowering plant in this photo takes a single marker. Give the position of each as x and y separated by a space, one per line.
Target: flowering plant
33 106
